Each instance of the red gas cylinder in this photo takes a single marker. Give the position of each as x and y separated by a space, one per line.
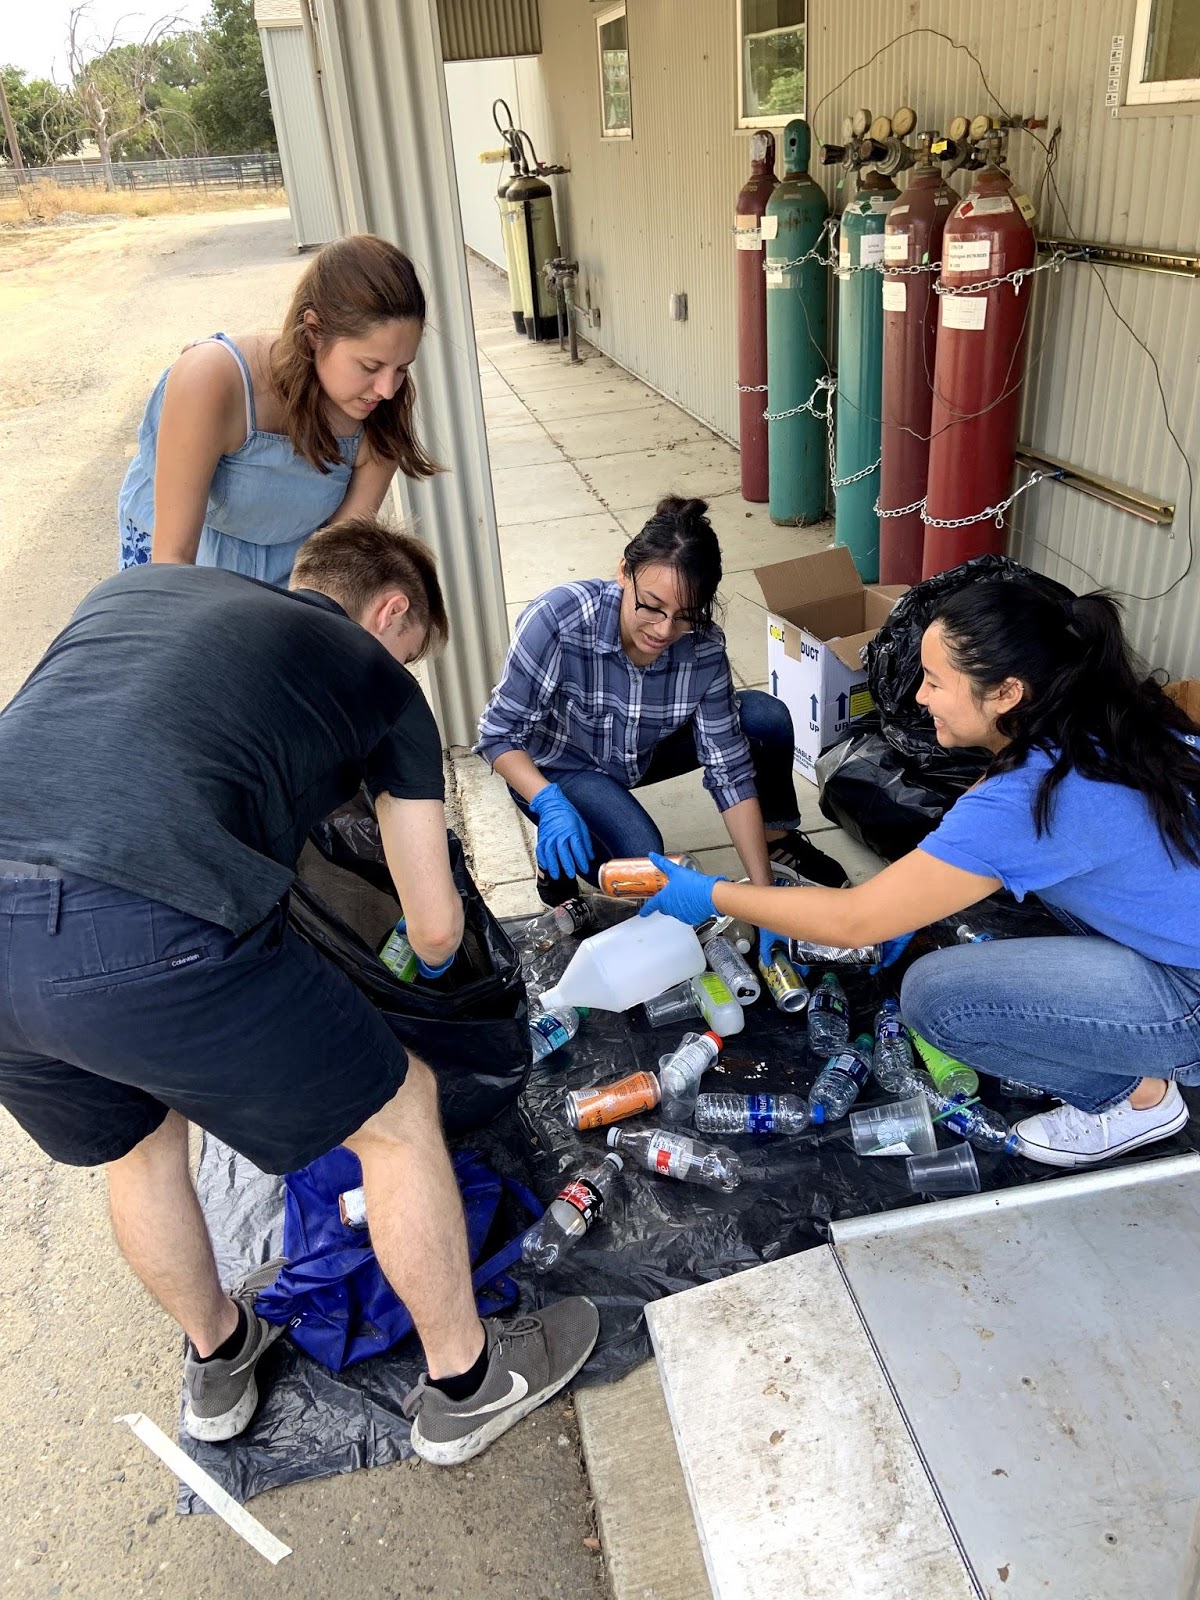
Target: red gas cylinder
913 241
978 372
752 314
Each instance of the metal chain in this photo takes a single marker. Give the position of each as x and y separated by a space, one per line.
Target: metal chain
812 254
807 406
855 477
1016 278
996 512
751 388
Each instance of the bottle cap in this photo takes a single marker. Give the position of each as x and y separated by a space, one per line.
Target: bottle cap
615 1159
614 1138
583 1011
715 1037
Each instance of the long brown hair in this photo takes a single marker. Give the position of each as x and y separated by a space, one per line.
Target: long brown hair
349 286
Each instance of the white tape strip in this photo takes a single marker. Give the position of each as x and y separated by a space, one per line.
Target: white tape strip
207 1487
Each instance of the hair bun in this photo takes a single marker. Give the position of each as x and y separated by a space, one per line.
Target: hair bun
674 505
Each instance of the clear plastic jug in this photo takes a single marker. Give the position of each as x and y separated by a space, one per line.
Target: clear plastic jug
625 965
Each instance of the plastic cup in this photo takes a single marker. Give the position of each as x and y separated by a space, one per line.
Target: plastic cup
950 1171
899 1128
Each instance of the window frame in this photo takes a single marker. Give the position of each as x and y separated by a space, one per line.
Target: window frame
610 14
779 121
1153 91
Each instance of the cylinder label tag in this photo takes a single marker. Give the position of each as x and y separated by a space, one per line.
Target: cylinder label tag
747 238
990 205
964 311
895 247
769 227
881 204
895 294
1026 207
870 249
777 278
968 255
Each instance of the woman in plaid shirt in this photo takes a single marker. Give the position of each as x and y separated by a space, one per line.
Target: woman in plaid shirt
613 684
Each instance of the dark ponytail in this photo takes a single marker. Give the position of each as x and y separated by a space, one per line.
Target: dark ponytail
1088 702
680 535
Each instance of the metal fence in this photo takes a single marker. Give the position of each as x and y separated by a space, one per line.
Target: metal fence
187 172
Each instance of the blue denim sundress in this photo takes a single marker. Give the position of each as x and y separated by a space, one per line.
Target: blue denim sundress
263 502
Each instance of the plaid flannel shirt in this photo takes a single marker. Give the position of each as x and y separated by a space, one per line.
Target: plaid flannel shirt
574 702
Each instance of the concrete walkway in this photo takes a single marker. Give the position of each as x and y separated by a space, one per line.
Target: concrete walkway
580 454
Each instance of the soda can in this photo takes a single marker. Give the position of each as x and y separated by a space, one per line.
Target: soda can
636 878
399 956
610 1102
788 989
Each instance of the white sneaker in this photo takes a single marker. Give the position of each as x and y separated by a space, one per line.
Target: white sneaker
1068 1137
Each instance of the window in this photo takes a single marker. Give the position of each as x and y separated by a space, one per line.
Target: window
1165 59
612 40
771 62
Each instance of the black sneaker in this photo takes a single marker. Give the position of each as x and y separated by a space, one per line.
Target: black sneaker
556 891
529 1359
799 853
222 1395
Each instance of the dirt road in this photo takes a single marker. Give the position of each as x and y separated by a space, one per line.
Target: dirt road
89 319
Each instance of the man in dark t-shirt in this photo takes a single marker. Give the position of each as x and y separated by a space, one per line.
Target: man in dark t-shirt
159 772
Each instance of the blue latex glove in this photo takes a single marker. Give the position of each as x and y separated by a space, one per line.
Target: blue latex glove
767 940
688 895
891 950
564 845
423 968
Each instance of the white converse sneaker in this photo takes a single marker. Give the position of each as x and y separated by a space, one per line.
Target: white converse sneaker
1068 1137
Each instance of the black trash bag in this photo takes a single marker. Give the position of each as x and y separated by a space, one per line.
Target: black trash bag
472 1025
868 788
893 659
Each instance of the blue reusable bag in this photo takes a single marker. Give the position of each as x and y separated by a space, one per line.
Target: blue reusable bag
332 1292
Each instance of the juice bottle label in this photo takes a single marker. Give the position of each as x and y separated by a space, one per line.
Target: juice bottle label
669 1153
712 992
399 956
585 1198
594 1108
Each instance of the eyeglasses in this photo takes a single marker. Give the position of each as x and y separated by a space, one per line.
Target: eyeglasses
684 621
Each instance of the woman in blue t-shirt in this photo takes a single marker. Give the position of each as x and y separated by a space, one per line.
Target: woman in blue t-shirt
1091 802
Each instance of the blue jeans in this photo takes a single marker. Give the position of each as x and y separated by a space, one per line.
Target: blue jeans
1083 1018
621 826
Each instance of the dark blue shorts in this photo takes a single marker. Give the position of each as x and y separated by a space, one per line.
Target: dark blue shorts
116 1008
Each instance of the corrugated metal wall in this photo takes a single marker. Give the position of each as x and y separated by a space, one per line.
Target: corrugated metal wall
475 30
303 151
651 215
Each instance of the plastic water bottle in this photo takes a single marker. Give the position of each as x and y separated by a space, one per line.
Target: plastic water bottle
553 1029
893 1065
954 1079
680 1072
966 934
559 923
625 965
733 967
1016 1090
978 1124
752 1113
839 1081
572 1213
676 1155
828 1018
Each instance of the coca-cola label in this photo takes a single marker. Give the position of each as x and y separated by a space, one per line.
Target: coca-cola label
585 1198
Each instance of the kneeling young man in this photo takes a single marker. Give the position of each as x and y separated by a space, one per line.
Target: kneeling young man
159 773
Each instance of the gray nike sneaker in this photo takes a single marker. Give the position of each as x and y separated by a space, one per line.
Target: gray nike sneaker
529 1359
222 1395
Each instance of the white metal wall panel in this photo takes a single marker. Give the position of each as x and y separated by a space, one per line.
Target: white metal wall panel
478 30
471 88
651 215
299 127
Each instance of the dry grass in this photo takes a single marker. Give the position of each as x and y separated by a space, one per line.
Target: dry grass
41 203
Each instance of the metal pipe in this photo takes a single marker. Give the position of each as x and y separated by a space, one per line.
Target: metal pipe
1117 495
1121 255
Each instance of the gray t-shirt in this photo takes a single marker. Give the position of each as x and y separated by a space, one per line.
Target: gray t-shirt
189 726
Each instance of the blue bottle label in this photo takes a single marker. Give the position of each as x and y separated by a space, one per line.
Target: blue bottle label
852 1065
760 1113
552 1030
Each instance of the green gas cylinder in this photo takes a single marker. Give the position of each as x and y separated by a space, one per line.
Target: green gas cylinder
860 371
797 336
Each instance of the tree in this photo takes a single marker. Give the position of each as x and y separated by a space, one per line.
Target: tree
45 122
116 87
229 103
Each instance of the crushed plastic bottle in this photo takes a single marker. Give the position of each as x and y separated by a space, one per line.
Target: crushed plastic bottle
808 954
978 1124
733 968
839 1081
676 1155
893 1065
559 923
570 1216
550 1030
680 1071
828 1018
752 1113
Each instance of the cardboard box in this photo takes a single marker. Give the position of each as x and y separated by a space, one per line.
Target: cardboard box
1186 695
819 617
